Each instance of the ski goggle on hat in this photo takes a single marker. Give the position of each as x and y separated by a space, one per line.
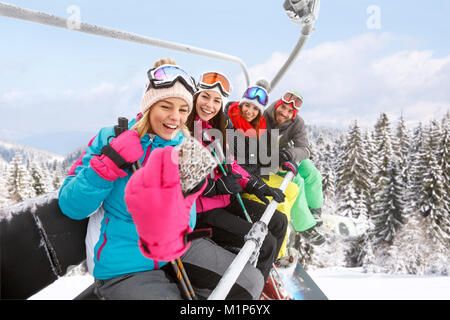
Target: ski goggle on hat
258 93
166 75
293 98
209 80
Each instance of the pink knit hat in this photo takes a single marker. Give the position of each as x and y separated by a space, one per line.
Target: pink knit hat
153 95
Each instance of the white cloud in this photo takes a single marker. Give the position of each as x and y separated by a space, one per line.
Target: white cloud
356 79
11 96
30 112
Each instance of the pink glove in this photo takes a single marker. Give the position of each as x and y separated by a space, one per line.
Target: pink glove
128 149
161 213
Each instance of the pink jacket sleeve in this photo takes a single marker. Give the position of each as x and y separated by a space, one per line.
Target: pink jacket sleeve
235 168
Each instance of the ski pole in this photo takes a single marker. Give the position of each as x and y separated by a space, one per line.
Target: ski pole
181 280
186 279
238 196
219 148
120 128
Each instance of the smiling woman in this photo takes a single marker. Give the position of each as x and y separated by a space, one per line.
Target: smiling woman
168 116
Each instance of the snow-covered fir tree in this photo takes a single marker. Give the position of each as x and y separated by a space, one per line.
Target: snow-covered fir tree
384 159
4 194
328 177
19 184
21 179
417 167
444 162
402 151
433 193
323 161
415 251
383 150
389 209
369 142
37 180
353 177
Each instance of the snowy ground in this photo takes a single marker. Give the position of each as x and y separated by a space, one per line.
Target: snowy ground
336 283
352 284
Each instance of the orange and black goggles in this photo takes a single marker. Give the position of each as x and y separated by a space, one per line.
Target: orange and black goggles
211 79
293 98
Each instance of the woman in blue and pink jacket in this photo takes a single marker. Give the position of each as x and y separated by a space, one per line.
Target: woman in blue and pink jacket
140 219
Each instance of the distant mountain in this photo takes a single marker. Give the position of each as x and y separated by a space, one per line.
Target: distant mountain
58 142
9 149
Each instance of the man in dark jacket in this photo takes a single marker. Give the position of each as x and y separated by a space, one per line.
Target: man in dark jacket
294 146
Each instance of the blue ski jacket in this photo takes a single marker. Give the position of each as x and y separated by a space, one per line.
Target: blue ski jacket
83 192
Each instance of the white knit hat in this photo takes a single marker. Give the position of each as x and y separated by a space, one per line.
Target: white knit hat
215 88
263 84
153 95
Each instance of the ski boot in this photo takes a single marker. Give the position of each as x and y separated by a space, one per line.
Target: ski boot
313 237
273 289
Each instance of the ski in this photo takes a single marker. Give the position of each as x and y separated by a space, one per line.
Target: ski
297 282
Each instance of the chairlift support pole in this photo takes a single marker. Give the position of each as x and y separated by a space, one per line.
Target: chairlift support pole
306 32
304 13
11 11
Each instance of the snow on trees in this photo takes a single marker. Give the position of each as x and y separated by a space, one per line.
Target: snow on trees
19 184
353 176
433 193
24 179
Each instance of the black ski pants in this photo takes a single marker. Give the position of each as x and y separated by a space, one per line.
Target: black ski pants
229 227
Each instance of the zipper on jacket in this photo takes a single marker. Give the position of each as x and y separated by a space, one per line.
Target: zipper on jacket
104 241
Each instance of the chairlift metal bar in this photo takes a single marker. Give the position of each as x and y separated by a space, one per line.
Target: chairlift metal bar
11 11
234 270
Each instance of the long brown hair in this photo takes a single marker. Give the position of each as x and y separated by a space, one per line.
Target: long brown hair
255 123
217 122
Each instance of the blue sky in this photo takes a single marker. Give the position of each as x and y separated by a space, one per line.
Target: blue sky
54 80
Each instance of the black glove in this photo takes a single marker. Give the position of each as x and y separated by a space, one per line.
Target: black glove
225 185
285 156
261 190
290 166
